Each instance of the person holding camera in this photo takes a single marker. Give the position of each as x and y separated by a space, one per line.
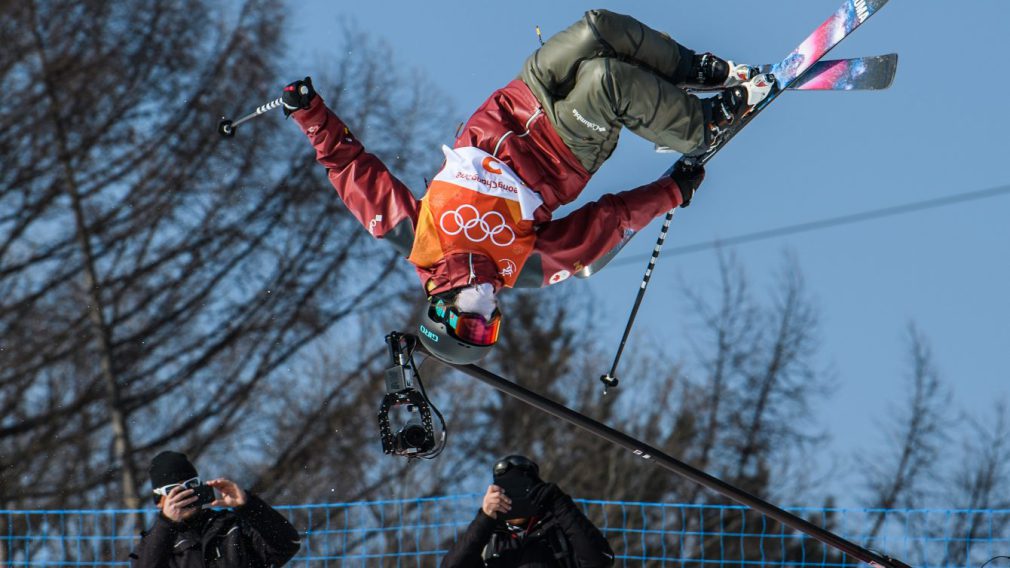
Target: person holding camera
525 522
187 533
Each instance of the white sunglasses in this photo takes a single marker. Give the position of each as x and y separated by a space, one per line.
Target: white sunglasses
164 491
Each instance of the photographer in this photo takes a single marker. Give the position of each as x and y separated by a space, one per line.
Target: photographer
524 522
187 534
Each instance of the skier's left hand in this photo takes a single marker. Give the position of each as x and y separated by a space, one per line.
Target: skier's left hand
688 179
298 95
231 494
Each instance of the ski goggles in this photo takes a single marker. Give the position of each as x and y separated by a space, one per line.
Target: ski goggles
520 463
191 483
469 327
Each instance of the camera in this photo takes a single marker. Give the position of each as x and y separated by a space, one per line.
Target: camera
417 435
413 436
204 493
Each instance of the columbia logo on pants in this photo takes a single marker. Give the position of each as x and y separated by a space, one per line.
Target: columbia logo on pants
583 120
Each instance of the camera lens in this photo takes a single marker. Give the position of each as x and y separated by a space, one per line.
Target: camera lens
412 436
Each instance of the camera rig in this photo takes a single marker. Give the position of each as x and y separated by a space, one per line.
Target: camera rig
416 438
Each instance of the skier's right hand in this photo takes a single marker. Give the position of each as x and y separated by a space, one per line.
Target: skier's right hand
298 95
688 179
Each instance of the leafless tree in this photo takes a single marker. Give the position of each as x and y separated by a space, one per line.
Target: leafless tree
755 394
899 475
159 281
752 400
977 485
922 467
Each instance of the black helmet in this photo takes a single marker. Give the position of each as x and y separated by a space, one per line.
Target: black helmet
516 464
518 476
456 337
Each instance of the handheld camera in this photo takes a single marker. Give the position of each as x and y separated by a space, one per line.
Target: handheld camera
204 493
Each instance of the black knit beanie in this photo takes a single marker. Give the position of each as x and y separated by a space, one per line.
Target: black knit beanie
170 467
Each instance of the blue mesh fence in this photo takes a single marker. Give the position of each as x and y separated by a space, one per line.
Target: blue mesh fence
417 532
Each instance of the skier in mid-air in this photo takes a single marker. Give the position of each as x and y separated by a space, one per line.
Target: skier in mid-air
485 222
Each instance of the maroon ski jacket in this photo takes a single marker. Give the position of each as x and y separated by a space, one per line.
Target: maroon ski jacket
512 127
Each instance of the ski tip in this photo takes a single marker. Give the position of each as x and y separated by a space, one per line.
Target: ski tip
891 60
885 67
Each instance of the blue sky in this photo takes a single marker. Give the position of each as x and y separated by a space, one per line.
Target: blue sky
940 130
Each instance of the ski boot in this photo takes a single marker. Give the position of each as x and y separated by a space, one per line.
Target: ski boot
710 73
726 108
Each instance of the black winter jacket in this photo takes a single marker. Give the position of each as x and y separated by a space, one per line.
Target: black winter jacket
563 537
253 535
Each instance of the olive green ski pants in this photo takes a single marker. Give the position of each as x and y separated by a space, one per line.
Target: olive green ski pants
609 70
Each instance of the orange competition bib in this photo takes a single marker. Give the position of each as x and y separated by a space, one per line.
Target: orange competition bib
476 204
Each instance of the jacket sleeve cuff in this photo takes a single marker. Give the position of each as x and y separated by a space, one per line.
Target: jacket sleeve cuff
643 204
678 197
315 115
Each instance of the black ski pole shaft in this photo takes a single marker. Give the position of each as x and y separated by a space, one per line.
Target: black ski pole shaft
682 469
227 127
610 379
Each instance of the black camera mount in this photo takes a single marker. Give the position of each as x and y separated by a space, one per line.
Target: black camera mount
416 438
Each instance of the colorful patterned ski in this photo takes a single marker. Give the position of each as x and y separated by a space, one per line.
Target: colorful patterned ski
857 74
843 22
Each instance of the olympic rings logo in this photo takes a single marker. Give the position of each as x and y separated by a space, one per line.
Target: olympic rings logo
467 220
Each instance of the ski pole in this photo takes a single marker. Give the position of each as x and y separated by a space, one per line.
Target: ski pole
610 379
227 127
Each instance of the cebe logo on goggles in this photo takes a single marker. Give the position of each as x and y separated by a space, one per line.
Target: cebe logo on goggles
469 327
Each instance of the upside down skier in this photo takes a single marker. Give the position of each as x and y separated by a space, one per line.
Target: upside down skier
485 222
